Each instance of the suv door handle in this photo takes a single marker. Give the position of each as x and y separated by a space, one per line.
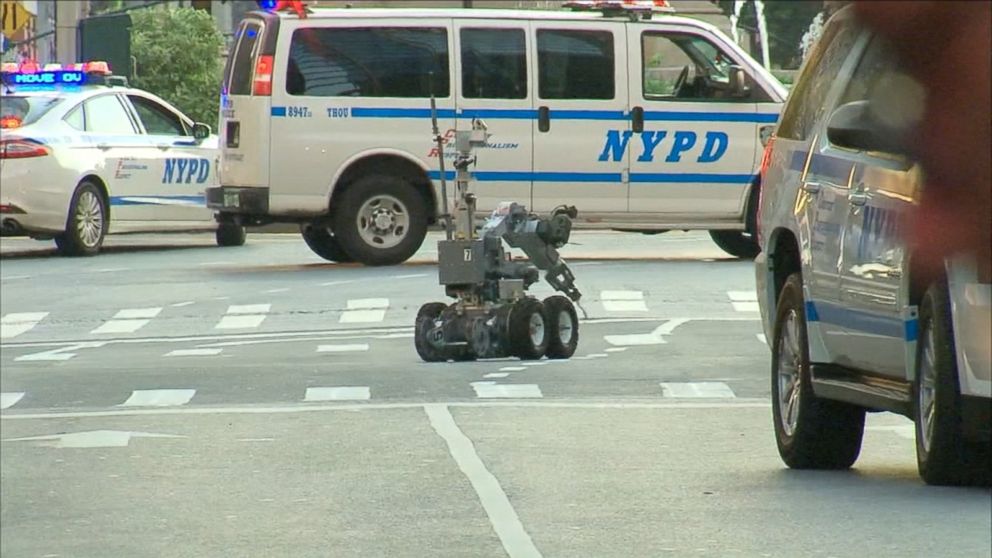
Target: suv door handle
858 198
637 119
543 119
812 187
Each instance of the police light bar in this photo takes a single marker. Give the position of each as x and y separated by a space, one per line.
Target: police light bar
29 73
272 6
620 6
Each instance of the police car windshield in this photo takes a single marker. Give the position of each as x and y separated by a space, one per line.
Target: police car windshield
27 109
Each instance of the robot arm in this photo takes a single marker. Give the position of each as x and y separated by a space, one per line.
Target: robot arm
539 238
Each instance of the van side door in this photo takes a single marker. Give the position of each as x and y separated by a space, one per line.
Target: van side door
695 138
580 154
494 85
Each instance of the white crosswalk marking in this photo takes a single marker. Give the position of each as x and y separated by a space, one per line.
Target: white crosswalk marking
193 352
128 320
492 390
365 310
697 390
12 325
60 353
356 348
8 400
744 301
352 393
159 397
761 337
244 316
623 301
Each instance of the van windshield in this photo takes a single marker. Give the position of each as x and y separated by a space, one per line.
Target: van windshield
240 62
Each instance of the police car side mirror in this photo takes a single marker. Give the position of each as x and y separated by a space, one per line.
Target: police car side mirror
201 131
738 82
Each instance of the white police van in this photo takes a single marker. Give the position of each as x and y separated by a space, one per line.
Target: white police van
644 123
855 321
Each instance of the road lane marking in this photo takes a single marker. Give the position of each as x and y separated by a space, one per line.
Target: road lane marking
514 538
535 363
283 290
128 320
193 352
487 390
17 323
411 276
744 301
351 393
182 304
762 338
496 375
623 301
333 283
8 400
243 316
512 369
14 277
354 348
365 310
656 337
60 354
697 389
159 397
616 349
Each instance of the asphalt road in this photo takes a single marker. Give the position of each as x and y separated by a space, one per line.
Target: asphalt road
171 398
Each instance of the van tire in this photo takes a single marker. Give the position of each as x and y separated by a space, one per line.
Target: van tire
84 238
230 234
323 243
380 220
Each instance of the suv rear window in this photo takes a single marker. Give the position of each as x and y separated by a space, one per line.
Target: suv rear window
26 109
241 62
368 62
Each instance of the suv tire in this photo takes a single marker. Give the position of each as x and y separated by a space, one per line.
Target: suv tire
811 433
380 220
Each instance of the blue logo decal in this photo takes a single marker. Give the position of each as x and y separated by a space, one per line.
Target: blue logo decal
714 146
182 171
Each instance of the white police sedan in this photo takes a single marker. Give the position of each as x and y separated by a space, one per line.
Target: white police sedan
83 155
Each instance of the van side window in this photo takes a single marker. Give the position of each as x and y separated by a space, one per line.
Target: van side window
241 64
494 64
805 105
575 64
685 67
368 62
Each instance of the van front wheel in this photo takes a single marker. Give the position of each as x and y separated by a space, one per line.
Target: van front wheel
380 220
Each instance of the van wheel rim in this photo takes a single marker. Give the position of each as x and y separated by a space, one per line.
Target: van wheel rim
89 219
788 374
926 410
383 221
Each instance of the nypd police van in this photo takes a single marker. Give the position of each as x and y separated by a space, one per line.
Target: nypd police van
645 121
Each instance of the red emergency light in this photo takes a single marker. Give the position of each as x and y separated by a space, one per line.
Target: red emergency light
296 6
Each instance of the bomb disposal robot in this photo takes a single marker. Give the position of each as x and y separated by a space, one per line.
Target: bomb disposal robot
493 315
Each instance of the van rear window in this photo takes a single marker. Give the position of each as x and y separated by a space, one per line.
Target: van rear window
368 62
241 63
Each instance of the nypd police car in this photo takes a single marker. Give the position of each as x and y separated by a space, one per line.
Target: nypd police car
83 155
855 323
643 120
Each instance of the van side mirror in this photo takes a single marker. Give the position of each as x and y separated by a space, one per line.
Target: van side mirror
201 131
738 82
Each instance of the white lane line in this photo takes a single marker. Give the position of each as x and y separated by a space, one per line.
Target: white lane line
535 363
243 316
697 389
411 276
208 264
746 306
496 375
512 369
113 269
514 538
182 304
193 352
487 390
623 301
333 283
8 400
159 397
744 301
355 348
762 338
356 393
616 349
656 337
283 290
59 354
12 325
14 277
365 310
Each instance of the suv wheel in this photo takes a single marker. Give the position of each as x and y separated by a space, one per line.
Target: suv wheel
943 456
811 433
380 220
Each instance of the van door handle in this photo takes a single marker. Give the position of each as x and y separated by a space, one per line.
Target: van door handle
543 119
637 119
812 187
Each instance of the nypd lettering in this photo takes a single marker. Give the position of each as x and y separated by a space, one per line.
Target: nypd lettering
185 171
672 146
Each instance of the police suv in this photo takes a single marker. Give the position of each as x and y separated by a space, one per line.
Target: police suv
854 322
83 155
645 121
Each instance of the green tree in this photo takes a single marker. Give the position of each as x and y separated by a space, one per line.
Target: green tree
178 58
787 22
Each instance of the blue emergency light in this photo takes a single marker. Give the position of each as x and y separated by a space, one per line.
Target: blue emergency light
29 75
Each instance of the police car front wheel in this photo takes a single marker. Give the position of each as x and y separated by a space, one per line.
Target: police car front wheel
380 220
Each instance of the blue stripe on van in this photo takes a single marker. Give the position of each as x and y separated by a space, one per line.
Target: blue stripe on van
367 112
706 116
157 200
665 177
558 114
499 114
278 111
